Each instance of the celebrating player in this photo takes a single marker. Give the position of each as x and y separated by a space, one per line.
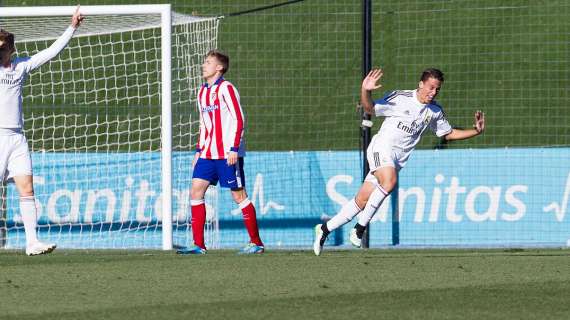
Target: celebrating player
15 160
408 114
220 152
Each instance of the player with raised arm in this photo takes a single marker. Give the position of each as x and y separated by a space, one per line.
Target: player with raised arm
15 160
220 152
408 113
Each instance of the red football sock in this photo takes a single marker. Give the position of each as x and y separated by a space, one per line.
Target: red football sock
250 221
198 222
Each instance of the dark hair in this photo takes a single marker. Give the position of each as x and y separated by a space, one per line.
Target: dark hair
432 73
223 59
6 41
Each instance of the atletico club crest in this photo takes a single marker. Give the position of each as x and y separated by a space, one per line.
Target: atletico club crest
213 96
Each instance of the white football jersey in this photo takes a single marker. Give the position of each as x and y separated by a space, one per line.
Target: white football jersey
12 80
406 120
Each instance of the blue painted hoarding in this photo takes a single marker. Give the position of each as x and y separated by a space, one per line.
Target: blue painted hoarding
482 197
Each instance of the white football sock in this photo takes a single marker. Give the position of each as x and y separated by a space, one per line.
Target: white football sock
374 202
29 217
346 213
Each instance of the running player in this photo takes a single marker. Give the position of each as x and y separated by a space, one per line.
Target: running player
408 114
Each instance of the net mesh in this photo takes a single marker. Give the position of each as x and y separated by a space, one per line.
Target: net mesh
93 124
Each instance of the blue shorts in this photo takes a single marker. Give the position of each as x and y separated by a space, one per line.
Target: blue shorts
218 170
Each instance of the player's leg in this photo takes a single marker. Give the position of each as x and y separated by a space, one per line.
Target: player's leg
198 210
25 187
203 175
255 244
382 161
20 170
350 209
386 177
347 212
234 178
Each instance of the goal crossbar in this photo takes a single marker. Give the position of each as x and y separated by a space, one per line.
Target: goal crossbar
85 10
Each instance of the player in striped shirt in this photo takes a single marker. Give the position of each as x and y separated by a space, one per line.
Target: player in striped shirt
15 160
408 114
219 152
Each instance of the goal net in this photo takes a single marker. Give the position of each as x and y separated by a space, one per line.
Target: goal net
94 119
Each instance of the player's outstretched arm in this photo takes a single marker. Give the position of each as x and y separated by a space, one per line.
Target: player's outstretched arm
368 84
478 128
46 55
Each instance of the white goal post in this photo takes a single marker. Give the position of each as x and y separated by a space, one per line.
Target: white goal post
69 90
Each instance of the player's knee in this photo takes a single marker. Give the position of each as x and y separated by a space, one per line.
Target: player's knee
364 193
388 182
196 194
239 198
239 195
27 193
361 200
388 185
26 189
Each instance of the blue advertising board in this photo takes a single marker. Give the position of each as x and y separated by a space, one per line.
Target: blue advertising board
482 197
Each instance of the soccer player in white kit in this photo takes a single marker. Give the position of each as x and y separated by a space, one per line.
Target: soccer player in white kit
408 114
15 160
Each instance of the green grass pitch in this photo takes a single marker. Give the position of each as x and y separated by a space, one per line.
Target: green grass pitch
350 284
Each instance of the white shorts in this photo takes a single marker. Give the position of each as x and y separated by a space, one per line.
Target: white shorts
380 155
15 157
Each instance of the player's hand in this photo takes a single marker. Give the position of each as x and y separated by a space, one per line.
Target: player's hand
77 18
232 158
479 121
196 157
370 82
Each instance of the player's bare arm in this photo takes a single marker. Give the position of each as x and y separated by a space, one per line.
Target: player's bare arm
368 84
77 18
478 128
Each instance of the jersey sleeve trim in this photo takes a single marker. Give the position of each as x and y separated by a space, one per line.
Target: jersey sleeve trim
445 133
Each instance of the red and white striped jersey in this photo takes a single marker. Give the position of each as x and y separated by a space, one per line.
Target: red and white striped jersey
222 121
